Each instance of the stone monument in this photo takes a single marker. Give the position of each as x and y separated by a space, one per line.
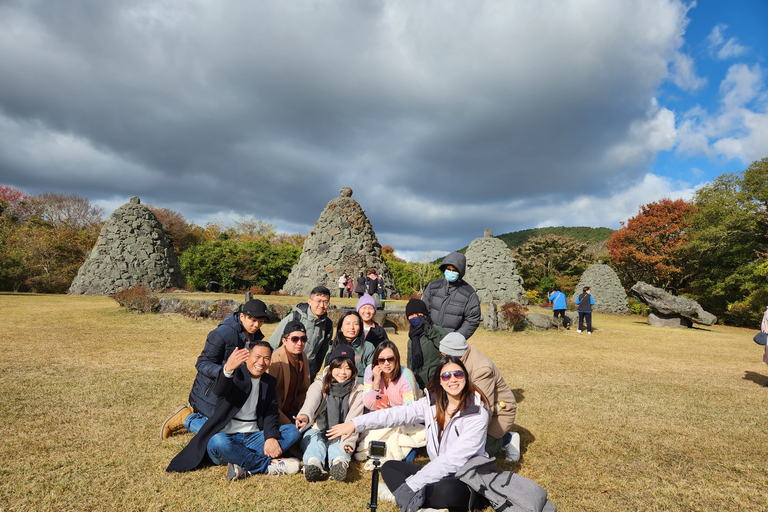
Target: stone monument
131 250
606 289
669 310
491 271
342 240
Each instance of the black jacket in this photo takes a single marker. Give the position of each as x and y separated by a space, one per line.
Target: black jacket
221 342
231 394
376 335
453 306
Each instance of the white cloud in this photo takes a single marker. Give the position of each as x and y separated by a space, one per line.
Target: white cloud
720 48
684 73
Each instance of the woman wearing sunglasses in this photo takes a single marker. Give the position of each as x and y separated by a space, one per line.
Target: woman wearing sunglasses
455 416
349 331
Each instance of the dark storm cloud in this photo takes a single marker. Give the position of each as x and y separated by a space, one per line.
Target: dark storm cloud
444 118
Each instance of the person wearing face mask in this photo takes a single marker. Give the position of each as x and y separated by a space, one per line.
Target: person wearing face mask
423 342
452 302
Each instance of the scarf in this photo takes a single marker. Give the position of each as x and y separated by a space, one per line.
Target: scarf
337 405
417 355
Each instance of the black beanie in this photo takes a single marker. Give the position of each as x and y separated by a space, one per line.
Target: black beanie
416 306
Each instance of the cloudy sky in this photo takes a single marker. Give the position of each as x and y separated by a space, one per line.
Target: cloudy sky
445 117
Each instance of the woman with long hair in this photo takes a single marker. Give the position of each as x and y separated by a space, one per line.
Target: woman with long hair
387 382
349 331
455 415
334 399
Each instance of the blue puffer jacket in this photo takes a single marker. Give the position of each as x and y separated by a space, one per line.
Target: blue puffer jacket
221 342
453 306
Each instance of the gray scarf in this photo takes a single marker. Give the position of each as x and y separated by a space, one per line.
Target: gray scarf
337 404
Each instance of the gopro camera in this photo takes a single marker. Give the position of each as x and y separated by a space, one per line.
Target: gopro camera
377 449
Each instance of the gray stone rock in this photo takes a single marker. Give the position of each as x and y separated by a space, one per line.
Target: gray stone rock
342 240
606 289
538 322
659 320
666 305
491 317
491 271
131 250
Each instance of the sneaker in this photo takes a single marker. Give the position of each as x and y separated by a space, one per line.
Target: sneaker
578 330
175 422
313 472
589 332
287 466
512 449
235 472
339 469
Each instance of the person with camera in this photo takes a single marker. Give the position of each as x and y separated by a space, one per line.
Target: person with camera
334 399
455 415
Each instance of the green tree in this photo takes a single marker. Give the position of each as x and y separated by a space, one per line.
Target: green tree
542 259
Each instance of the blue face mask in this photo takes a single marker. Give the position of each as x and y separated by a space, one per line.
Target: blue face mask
415 321
451 276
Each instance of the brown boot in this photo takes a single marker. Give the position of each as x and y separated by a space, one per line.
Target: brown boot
175 422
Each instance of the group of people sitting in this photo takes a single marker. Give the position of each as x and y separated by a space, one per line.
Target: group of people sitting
253 399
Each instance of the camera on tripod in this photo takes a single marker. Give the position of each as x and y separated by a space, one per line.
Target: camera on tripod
377 450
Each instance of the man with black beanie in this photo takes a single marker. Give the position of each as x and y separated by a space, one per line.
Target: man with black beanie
423 342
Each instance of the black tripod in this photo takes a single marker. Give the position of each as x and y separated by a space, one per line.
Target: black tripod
374 484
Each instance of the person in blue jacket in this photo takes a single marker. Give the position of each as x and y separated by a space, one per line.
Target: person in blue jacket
557 298
584 303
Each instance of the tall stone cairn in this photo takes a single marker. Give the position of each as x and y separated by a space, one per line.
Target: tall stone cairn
131 250
342 240
605 288
491 271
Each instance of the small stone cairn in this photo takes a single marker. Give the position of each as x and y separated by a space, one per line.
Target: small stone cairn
491 271
342 240
131 250
606 289
669 310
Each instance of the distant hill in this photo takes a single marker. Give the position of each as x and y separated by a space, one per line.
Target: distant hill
581 233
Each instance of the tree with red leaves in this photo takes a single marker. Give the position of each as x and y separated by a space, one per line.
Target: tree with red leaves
651 246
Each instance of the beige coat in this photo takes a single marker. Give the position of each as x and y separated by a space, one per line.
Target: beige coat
279 368
315 405
488 379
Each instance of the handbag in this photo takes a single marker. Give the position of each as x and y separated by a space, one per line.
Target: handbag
761 338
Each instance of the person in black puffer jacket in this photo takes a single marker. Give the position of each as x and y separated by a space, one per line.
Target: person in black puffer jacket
452 302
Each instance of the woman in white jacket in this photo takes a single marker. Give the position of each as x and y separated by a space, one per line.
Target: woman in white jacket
455 415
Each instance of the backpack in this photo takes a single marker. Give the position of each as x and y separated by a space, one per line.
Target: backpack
304 306
504 490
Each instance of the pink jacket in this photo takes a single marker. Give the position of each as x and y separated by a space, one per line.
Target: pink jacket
402 391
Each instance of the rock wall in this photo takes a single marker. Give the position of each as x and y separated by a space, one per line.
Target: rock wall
606 289
131 250
342 240
491 271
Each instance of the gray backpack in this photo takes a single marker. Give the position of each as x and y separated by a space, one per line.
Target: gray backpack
505 491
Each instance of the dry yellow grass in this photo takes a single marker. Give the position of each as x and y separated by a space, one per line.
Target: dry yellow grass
630 418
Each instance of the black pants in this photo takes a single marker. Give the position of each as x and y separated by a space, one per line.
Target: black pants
341 293
561 312
585 316
448 492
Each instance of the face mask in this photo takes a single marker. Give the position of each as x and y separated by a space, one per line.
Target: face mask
451 276
415 321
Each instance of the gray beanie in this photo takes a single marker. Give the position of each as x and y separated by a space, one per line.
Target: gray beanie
454 344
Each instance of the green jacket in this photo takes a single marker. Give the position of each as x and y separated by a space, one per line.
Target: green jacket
430 347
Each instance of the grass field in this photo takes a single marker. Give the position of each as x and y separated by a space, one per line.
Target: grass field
630 418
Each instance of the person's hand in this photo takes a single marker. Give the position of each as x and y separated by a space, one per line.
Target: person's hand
376 380
235 359
272 448
341 429
301 420
349 449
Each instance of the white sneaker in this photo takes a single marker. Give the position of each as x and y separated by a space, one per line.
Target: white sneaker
384 493
287 466
512 449
578 330
589 332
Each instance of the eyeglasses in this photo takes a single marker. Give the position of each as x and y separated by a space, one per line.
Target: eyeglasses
325 303
383 360
298 339
447 375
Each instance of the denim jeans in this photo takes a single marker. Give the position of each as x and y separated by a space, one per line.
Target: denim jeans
315 444
247 450
194 422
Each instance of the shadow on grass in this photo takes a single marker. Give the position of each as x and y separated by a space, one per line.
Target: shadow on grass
757 378
692 328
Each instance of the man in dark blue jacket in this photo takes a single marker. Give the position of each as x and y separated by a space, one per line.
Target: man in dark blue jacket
237 330
243 430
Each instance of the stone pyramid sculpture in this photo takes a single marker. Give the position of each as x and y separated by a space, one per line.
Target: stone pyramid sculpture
131 250
605 287
342 240
491 271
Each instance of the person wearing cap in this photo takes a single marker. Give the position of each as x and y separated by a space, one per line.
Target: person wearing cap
334 399
489 380
237 330
451 301
423 342
290 367
372 332
319 328
243 430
